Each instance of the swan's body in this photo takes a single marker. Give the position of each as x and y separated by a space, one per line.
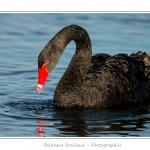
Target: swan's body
94 81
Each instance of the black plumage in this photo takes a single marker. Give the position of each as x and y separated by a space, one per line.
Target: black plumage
96 81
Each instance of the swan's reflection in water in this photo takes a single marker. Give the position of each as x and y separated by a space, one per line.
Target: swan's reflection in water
40 130
96 123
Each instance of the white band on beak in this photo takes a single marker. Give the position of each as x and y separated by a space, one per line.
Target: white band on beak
40 85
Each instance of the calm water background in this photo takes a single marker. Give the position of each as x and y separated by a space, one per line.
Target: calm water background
24 113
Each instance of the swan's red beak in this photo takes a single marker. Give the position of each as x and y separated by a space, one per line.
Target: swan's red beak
42 77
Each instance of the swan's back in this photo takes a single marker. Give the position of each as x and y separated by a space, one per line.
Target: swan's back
116 80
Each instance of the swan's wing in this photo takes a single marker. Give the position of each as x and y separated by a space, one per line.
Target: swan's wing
143 60
97 61
117 80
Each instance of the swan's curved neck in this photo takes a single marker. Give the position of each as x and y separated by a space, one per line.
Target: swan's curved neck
74 75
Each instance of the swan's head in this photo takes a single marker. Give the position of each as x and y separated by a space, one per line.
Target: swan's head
47 60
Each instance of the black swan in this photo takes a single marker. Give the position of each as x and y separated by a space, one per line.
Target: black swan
93 81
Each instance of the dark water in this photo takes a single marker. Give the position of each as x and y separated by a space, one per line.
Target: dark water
24 113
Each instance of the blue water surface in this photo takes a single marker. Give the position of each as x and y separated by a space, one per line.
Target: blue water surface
24 113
